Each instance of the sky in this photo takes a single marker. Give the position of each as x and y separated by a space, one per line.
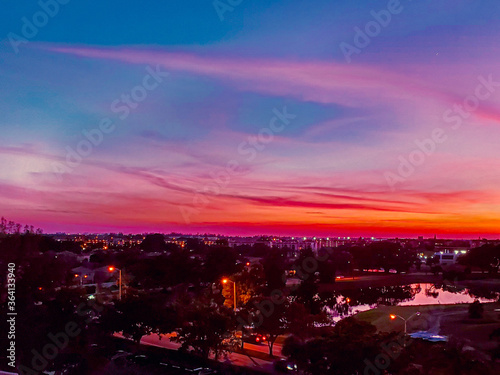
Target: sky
317 118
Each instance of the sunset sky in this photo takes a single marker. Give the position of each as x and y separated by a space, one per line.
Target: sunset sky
185 155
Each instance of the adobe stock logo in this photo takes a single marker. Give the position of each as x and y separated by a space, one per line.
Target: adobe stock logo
122 107
223 6
48 9
277 297
363 37
428 146
248 151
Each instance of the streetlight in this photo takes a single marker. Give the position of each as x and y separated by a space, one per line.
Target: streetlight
81 277
112 269
225 281
395 316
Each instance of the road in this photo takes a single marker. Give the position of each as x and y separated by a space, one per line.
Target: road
264 348
237 359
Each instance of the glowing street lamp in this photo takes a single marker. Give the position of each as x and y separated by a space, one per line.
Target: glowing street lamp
81 277
112 269
225 281
395 316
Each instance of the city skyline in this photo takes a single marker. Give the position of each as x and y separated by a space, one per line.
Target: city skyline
276 118
268 235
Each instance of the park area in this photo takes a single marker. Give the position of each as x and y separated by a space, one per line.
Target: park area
471 338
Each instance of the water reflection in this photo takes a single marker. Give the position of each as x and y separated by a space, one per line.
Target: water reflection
353 301
448 294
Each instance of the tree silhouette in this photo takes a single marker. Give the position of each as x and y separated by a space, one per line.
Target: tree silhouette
206 327
341 349
476 310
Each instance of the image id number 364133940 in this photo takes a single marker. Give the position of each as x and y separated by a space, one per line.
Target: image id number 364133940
11 314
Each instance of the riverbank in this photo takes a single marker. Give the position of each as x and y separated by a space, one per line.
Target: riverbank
381 280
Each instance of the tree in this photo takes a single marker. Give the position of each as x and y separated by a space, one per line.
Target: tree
307 292
101 257
327 270
36 321
154 243
432 261
341 349
196 245
205 327
220 261
163 270
476 310
249 283
274 269
307 295
272 320
362 257
486 257
275 318
3 225
385 255
338 260
137 316
303 324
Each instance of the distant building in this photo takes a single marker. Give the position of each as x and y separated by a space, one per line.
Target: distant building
448 258
247 241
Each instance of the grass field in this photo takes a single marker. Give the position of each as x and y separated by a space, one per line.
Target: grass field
447 320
